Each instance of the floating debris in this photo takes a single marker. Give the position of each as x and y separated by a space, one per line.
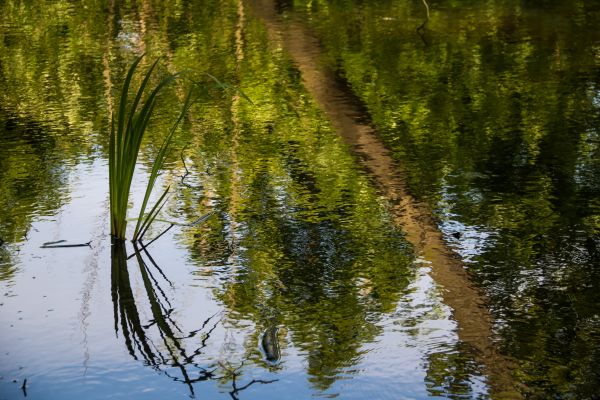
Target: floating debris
270 345
54 245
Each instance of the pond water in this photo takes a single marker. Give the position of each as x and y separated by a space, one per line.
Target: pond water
408 206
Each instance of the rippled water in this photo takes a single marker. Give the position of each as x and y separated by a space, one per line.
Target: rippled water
327 265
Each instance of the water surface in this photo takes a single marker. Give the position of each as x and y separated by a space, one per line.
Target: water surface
299 284
306 279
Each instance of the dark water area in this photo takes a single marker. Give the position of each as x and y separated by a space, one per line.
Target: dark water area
305 278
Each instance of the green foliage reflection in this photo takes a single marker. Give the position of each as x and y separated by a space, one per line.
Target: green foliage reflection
494 115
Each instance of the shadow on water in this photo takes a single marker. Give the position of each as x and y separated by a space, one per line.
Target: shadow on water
160 342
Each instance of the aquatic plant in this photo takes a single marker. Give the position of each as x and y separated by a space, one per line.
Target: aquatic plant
125 140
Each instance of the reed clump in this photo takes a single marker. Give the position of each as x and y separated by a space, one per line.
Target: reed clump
127 131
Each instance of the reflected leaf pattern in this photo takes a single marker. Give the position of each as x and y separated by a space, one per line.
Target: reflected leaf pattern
491 109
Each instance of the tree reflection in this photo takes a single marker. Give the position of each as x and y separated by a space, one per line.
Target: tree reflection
313 251
305 244
496 123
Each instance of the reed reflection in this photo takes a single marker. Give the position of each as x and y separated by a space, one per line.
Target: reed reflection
161 342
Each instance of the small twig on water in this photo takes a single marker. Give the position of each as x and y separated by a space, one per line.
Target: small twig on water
201 219
54 245
24 387
236 389
233 372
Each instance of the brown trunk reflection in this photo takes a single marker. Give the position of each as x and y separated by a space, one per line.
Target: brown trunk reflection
468 304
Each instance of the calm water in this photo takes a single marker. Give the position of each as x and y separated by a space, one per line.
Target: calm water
310 276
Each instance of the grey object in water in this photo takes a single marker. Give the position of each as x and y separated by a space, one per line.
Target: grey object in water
270 345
